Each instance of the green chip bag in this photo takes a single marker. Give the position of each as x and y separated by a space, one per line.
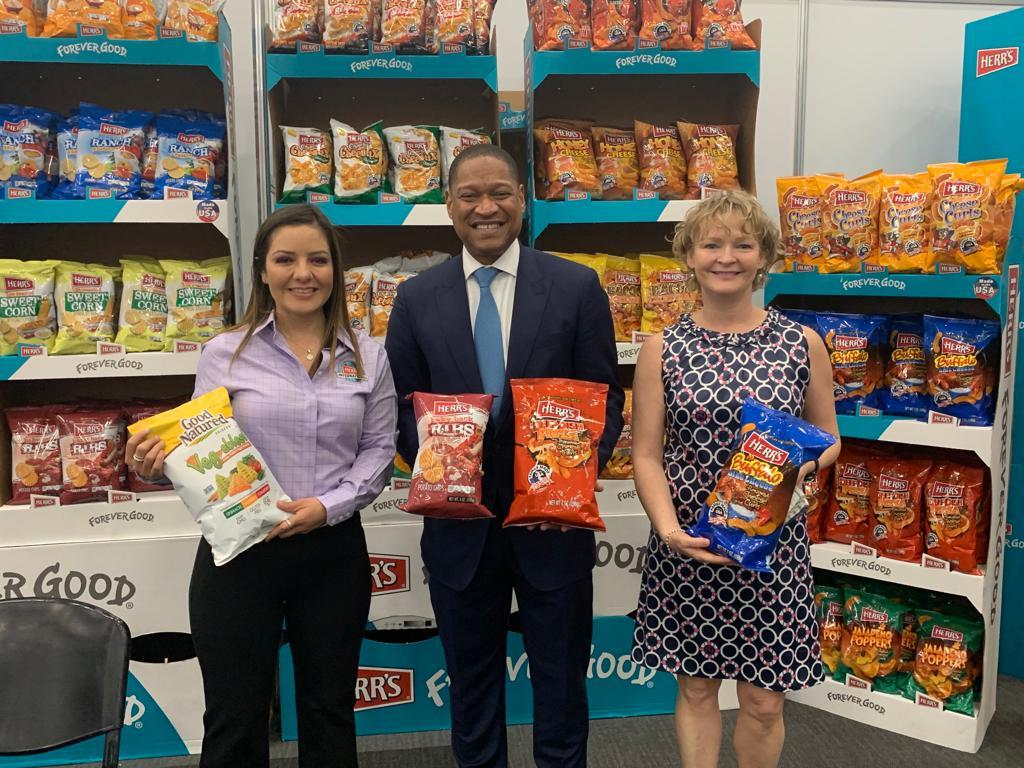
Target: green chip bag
828 605
870 649
415 166
143 316
946 662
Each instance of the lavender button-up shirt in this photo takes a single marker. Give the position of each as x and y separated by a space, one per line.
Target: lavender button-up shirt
331 436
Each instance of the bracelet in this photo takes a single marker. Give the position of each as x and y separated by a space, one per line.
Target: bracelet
666 538
817 466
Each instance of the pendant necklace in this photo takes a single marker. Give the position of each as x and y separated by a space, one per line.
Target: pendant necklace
309 354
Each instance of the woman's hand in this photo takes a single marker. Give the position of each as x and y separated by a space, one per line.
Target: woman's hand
306 515
683 544
145 455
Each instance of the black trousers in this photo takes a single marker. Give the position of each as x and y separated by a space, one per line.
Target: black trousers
319 585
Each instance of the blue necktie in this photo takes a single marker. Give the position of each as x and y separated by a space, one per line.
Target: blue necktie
490 350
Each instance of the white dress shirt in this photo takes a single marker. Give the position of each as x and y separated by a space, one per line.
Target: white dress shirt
503 288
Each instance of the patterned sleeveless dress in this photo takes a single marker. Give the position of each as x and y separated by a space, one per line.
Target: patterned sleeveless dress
722 622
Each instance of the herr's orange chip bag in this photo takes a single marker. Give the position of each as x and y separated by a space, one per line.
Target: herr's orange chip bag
347 25
21 13
196 18
953 512
662 165
719 24
141 18
615 152
404 24
558 22
620 465
904 220
1006 200
297 21
622 284
559 423
667 23
850 505
817 488
565 159
710 157
64 16
895 520
800 221
615 24
849 217
964 214
666 293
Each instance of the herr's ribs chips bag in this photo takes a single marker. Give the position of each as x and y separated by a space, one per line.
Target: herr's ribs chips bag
35 453
964 212
961 376
743 516
91 454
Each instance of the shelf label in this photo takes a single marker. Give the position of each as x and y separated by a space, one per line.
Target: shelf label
985 288
628 355
645 194
934 563
170 34
949 269
120 497
314 198
863 550
576 195
109 348
400 483
38 501
185 346
852 681
95 193
382 48
32 350
867 410
8 27
20 194
207 211
924 700
307 47
805 268
934 417
388 197
170 193
640 337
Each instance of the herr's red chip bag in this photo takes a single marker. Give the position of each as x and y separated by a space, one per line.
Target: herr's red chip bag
35 453
559 423
447 476
895 524
91 454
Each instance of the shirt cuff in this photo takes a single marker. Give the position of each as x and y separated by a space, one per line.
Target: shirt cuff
340 505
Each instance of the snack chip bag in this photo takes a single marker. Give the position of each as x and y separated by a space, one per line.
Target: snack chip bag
817 488
961 368
24 135
668 23
964 213
219 474
483 12
743 516
565 159
718 24
348 25
905 389
404 24
559 423
664 293
953 514
196 299
947 661
849 507
1006 200
415 167
622 284
662 165
872 633
297 21
91 454
849 217
196 18
447 478
360 163
895 517
615 154
64 16
800 222
597 262
358 284
85 306
800 316
35 453
904 223
453 141
110 147
828 609
188 152
23 14
452 23
143 317
620 465
382 300
150 159
26 304
710 157
560 22
854 344
307 163
137 412
142 17
615 24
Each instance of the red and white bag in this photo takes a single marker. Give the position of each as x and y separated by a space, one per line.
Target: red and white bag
91 454
35 453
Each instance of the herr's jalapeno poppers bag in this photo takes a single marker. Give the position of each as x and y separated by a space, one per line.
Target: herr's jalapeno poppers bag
872 640
961 375
828 610
946 662
854 344
743 516
906 374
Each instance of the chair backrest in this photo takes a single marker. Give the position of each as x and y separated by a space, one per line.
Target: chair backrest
63 672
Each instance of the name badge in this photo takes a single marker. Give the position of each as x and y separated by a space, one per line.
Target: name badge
346 369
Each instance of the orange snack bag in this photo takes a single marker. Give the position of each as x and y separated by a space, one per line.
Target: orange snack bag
559 423
615 24
615 153
718 24
64 16
800 221
141 18
620 465
850 505
964 214
662 166
1006 200
347 25
667 23
665 292
953 513
622 284
556 23
22 13
710 157
817 486
904 223
196 18
565 159
404 24
895 519
298 21
849 218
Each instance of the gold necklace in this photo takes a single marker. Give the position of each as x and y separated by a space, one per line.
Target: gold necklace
309 354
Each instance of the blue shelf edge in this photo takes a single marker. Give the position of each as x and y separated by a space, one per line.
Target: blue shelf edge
442 66
369 215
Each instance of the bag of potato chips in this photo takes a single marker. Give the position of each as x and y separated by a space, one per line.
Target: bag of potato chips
91 454
358 283
24 135
307 163
1006 200
143 316
360 163
615 153
67 158
196 18
22 13
404 25
855 348
964 211
142 17
953 512
596 261
558 22
64 16
382 300
620 465
904 223
622 284
662 164
946 662
26 304
664 292
849 217
565 159
219 474
35 453
85 306
800 222
415 166
710 157
296 21
187 155
110 148
348 25
453 141
196 299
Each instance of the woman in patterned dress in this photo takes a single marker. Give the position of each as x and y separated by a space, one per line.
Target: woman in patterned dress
700 616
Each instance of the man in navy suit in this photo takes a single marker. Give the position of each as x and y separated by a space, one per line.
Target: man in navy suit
526 314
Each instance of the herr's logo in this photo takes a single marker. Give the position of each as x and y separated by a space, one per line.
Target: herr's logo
848 343
549 409
389 574
756 445
378 687
872 616
994 59
950 346
942 633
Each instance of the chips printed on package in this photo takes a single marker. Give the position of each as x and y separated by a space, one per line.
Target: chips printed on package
615 24
557 23
360 163
150 160
665 293
403 24
849 218
828 608
667 23
662 164
953 514
817 491
622 284
895 519
35 453
800 222
307 163
849 507
91 454
26 304
382 300
615 154
196 18
67 158
415 166
64 16
854 344
453 141
188 153
219 474
142 17
143 316
558 426
964 214
447 478
84 296
297 21
904 224
452 23
946 663
1006 200
23 14
961 368
872 633
348 25
710 157
620 465
743 516
718 24
905 389
358 284
565 159
110 147
24 135
196 299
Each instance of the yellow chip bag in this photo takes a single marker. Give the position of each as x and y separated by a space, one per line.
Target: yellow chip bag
622 284
307 163
26 304
849 218
64 16
141 18
21 13
196 299
964 213
903 223
143 316
360 163
1006 200
382 300
357 297
664 293
85 306
800 221
620 465
415 166
597 262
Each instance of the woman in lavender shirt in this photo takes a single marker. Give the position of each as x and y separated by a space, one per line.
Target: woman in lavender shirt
318 401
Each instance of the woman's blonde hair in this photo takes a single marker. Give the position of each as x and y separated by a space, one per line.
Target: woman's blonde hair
714 211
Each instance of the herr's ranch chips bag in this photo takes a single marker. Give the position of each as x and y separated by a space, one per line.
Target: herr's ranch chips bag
946 661
620 465
84 296
904 223
743 516
667 23
35 453
895 520
347 25
905 389
662 164
24 135
854 344
64 16
849 216
307 163
872 633
961 368
719 24
828 609
196 299
415 163
964 214
110 148
187 155
360 163
453 141
622 284
615 153
447 478
26 304
710 157
558 426
143 316
91 453
800 222
954 514
664 293
615 24
67 159
219 474
565 159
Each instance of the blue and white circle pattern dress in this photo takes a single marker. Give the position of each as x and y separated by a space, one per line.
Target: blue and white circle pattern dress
723 622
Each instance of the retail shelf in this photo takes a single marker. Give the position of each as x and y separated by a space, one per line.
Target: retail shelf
910 432
98 366
29 210
628 353
510 119
543 213
384 215
443 66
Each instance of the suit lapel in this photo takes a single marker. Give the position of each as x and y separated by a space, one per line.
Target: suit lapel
527 313
453 309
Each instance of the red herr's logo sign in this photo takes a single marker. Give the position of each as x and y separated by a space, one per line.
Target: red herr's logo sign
389 574
994 59
377 687
756 445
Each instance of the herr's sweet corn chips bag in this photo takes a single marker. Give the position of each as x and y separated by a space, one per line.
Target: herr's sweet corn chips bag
143 316
710 157
196 299
662 164
800 222
904 223
110 148
24 136
615 153
85 306
307 163
196 18
219 474
26 304
849 216
622 284
415 166
565 159
187 155
964 214
360 163
665 292
64 16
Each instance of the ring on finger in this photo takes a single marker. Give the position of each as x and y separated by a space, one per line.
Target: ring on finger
136 457
288 523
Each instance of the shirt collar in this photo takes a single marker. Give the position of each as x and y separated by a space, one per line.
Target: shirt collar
269 322
508 262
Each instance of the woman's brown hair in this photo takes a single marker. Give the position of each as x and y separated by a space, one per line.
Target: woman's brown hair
261 302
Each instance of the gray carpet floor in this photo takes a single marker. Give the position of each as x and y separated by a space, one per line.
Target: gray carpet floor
814 739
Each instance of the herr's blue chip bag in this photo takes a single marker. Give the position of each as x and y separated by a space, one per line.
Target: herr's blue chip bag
110 147
905 390
962 368
24 143
189 153
854 344
801 316
67 157
744 514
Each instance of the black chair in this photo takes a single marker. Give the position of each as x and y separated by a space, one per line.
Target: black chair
63 672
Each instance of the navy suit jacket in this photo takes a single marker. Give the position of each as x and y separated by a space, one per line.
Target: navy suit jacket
561 327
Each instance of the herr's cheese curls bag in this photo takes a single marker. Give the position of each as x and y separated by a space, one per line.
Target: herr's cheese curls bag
664 292
22 14
904 223
143 317
453 141
64 16
800 222
26 304
196 299
622 284
307 163
360 163
849 217
415 166
1006 200
964 214
219 474
358 286
85 306
961 382
743 516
